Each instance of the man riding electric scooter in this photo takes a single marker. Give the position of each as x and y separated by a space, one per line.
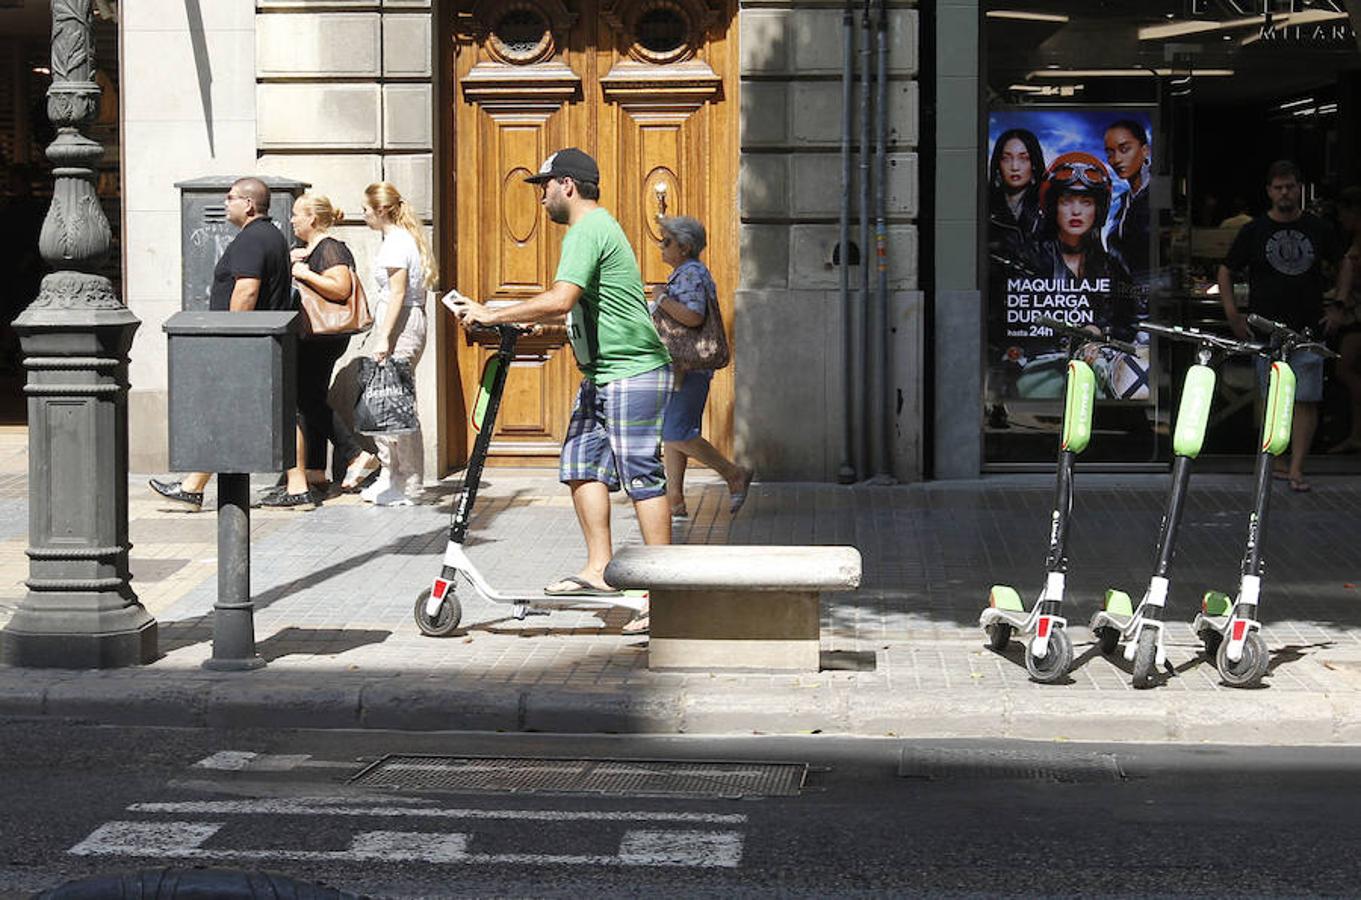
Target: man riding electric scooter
614 438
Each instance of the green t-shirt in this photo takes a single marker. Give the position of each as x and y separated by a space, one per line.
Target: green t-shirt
611 331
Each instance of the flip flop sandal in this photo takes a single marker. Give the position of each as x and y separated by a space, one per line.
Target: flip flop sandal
737 498
1300 486
580 587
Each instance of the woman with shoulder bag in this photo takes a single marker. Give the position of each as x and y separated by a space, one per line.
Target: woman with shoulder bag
325 266
680 310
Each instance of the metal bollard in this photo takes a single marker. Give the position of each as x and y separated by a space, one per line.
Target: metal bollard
234 611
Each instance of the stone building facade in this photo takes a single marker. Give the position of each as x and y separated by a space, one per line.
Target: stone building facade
341 93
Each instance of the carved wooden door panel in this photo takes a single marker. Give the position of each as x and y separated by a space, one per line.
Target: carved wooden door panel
647 88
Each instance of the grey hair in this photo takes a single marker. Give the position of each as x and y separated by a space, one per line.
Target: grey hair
686 231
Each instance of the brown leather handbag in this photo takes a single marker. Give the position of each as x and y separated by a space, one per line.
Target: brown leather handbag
704 346
326 317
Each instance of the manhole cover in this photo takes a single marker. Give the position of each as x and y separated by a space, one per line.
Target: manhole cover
635 777
1008 765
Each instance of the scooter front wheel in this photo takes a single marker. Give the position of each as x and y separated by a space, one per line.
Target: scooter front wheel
445 620
1251 666
1056 661
999 635
1145 658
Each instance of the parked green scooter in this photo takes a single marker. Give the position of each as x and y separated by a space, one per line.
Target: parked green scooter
1228 626
1140 629
1049 653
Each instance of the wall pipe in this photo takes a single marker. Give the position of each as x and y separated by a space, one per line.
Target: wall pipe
846 471
863 403
883 383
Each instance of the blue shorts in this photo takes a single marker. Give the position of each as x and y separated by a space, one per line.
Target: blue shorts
615 435
685 410
1308 369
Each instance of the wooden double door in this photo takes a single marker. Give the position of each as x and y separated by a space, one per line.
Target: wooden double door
647 87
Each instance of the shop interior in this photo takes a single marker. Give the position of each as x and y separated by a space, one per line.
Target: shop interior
26 174
1230 86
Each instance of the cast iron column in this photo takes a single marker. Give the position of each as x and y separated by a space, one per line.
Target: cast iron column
80 611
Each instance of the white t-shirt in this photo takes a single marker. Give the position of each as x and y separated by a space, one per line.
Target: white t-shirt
399 251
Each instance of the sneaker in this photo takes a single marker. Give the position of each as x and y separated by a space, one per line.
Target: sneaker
285 500
172 490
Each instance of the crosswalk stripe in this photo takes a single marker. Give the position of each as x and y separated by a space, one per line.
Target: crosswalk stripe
184 840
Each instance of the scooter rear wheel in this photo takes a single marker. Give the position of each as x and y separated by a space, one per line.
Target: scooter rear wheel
445 621
1145 658
1211 639
1108 639
1054 665
1251 666
999 635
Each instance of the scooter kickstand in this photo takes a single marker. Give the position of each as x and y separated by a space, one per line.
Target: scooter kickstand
521 610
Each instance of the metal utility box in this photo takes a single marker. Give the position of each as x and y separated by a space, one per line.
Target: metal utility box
205 231
233 390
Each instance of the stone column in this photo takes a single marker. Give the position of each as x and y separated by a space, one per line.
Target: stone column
80 611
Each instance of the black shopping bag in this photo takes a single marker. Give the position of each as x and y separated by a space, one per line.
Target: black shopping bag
387 398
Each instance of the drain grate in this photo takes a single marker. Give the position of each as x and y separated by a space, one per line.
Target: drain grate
632 777
1008 765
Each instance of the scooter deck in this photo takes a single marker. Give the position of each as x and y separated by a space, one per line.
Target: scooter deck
1015 619
456 558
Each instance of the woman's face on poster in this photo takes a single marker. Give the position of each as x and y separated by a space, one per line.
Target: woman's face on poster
1016 168
1076 216
1124 153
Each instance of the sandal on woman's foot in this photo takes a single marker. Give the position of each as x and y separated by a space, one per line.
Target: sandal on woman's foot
360 472
637 625
1300 486
739 496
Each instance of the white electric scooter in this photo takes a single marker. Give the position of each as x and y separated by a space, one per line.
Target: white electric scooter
438 611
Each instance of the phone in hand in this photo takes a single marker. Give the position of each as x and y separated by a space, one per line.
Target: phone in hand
452 299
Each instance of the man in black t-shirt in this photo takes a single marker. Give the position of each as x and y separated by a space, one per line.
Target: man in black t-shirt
253 273
1283 253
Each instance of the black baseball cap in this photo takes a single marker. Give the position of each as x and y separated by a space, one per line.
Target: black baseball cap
567 163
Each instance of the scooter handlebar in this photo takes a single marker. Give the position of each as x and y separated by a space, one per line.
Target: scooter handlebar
498 330
1102 337
1196 336
1290 339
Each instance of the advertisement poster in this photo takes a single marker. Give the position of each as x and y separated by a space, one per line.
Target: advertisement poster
1069 236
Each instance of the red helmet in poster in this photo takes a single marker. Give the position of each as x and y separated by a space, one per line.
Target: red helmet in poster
1077 173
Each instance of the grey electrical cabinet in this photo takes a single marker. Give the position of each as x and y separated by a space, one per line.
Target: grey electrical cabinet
233 391
205 231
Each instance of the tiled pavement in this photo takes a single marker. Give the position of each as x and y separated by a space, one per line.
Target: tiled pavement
334 591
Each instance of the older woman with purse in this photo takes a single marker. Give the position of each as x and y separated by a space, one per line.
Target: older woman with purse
323 266
685 310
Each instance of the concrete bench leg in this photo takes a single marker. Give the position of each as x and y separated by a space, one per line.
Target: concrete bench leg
734 630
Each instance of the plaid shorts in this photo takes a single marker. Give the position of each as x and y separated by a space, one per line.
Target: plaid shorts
615 435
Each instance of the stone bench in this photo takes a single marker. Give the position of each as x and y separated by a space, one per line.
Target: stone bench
725 607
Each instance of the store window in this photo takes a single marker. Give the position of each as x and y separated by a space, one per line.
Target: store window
1126 146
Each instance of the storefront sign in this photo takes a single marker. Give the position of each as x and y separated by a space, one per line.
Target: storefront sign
1069 237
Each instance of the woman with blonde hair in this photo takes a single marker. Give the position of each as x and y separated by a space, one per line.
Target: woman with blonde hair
404 270
324 264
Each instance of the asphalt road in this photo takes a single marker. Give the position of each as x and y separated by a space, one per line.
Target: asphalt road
873 816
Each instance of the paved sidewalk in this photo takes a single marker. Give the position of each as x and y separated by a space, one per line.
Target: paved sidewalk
334 591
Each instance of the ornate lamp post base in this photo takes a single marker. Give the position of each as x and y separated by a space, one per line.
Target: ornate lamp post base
80 611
